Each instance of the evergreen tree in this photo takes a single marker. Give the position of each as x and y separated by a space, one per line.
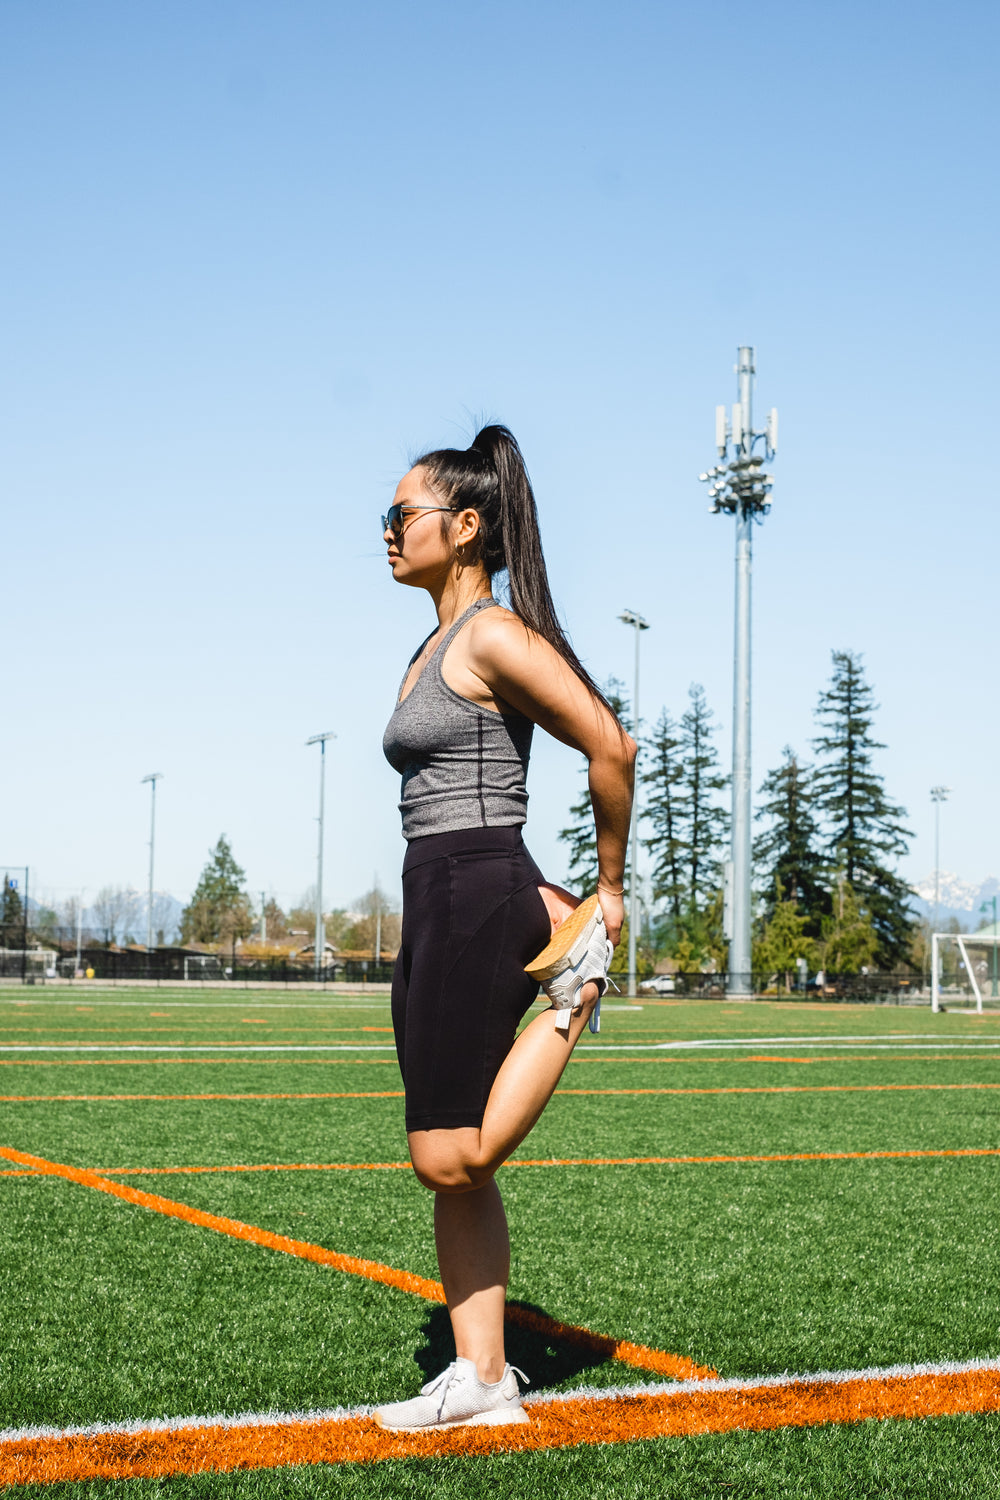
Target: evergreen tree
862 828
851 942
704 821
663 807
11 916
581 835
784 939
703 931
786 853
219 911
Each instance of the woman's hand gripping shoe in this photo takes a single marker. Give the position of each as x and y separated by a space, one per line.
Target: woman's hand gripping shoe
578 954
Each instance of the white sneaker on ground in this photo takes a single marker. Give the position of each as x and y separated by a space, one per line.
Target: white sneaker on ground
457 1398
580 952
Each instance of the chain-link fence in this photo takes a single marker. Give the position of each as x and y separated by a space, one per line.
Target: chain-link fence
182 965
857 988
179 965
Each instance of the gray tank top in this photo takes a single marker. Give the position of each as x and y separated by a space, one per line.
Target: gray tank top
463 766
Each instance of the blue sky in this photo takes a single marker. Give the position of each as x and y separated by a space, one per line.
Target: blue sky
258 255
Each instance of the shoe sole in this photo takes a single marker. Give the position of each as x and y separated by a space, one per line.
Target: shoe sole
552 959
511 1417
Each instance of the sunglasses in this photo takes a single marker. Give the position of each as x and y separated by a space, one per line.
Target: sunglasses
396 518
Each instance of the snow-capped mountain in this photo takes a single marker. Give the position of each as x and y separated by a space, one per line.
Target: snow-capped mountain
958 899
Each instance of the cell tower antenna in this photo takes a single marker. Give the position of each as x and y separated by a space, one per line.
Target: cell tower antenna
741 489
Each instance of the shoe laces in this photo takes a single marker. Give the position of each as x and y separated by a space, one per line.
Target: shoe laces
441 1384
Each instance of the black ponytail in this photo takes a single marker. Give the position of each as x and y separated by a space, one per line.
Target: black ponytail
490 478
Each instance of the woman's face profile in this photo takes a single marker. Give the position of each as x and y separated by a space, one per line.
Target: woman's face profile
421 547
432 537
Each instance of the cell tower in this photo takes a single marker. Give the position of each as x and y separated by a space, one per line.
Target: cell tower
738 486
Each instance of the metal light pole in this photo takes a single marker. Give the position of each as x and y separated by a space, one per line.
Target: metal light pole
320 940
629 617
152 779
378 925
79 931
741 488
939 794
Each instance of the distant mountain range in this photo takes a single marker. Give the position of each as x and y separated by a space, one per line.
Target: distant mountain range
959 899
123 911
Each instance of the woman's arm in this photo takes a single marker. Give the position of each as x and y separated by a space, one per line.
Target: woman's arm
520 669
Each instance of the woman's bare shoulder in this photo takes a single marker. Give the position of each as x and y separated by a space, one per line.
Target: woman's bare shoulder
501 637
521 668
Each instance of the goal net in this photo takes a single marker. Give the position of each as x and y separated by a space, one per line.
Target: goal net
203 966
964 967
38 962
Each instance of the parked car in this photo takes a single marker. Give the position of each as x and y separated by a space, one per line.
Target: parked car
660 984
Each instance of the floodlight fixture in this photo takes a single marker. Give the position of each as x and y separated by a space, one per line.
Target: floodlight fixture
629 617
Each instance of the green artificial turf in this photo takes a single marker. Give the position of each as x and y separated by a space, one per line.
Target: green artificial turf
112 1312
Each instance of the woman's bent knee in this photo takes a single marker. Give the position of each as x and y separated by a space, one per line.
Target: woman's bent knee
448 1166
457 1177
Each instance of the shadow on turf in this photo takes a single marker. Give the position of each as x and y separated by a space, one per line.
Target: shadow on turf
546 1361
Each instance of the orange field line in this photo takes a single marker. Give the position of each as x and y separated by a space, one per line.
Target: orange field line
569 1161
591 1056
783 1088
668 1161
291 1166
97 1098
797 1088
370 1269
555 1161
638 1355
563 1422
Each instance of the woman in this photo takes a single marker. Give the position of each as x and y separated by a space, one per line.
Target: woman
476 910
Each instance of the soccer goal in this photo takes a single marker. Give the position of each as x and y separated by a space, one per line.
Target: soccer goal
964 966
203 966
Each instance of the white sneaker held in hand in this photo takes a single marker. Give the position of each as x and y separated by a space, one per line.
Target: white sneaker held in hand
580 952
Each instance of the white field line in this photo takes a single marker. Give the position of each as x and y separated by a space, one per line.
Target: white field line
826 1044
376 1002
767 1382
580 1393
909 1042
204 1047
185 1424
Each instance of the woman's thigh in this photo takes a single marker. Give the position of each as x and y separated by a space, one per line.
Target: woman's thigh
471 921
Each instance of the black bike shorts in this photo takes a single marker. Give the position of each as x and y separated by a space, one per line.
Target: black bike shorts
472 918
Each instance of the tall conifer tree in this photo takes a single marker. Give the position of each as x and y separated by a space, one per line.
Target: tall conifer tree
862 828
219 911
581 835
11 915
787 853
664 809
705 821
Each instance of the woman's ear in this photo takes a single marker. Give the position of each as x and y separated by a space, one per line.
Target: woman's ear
467 529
